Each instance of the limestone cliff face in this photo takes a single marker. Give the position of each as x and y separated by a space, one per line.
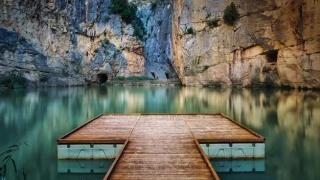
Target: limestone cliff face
75 42
273 42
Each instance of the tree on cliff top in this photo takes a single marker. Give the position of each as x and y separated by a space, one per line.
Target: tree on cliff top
127 11
231 14
124 9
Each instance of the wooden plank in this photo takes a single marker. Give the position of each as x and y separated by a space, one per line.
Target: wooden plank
116 160
219 128
92 141
213 172
102 130
112 168
76 129
161 177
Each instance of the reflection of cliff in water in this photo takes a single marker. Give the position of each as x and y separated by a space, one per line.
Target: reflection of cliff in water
290 120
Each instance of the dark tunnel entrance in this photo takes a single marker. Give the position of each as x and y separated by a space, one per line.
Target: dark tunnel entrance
272 56
102 78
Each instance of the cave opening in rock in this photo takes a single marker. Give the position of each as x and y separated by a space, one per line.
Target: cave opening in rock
167 75
153 75
102 78
272 56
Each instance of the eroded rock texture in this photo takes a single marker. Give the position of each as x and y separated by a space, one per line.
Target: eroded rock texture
273 42
75 42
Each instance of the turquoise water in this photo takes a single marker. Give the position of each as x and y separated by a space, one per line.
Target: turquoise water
34 119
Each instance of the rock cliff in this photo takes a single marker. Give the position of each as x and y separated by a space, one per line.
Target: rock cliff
76 42
272 43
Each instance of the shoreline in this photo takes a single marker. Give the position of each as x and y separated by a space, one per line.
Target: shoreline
159 83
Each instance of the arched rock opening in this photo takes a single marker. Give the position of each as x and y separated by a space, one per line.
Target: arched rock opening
102 78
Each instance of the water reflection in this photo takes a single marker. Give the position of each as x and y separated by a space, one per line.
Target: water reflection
238 165
84 166
290 120
83 169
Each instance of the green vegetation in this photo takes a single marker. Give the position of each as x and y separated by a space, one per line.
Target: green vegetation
212 23
196 61
105 43
133 78
190 31
231 14
154 5
128 11
106 19
138 27
6 160
7 163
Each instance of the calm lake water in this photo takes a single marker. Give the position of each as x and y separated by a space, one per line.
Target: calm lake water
34 119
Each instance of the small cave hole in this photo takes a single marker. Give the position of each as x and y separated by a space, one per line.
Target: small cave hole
272 56
153 75
102 78
167 75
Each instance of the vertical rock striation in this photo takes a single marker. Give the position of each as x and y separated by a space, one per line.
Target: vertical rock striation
273 43
156 17
66 42
75 42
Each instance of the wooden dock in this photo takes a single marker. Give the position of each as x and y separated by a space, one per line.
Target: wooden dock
161 146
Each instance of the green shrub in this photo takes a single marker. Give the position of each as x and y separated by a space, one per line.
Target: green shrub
154 5
231 14
124 9
190 31
106 19
196 61
105 42
127 11
212 23
132 78
138 27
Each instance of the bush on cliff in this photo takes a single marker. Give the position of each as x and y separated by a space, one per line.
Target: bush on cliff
124 9
133 78
128 11
231 14
212 23
190 31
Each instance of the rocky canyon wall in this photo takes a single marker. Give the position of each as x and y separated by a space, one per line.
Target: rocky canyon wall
272 43
76 42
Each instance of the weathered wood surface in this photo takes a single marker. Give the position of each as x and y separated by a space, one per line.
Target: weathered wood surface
218 128
162 146
103 129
